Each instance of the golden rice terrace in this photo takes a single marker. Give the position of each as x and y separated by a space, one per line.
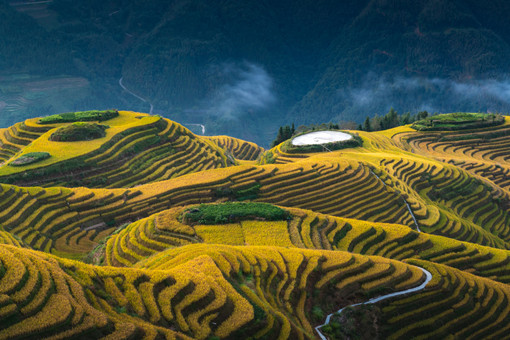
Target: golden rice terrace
148 231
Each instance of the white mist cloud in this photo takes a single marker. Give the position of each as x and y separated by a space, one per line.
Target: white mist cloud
499 90
248 87
378 95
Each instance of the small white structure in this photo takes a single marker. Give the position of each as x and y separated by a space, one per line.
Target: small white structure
321 137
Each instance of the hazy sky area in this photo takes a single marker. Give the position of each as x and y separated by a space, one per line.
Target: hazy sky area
245 68
250 88
379 94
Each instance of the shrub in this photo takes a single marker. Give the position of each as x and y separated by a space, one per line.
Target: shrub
29 158
317 313
79 132
249 192
268 158
233 212
361 322
83 116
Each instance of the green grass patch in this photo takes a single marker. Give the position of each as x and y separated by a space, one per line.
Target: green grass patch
79 131
83 116
29 158
458 121
244 193
231 212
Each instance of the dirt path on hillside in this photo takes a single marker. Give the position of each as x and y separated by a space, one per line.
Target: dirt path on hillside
377 299
135 95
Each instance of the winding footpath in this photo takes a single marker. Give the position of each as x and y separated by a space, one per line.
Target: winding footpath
387 296
202 127
121 84
412 215
407 204
135 95
377 299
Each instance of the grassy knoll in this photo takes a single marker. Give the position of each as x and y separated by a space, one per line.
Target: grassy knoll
134 149
29 158
233 212
458 121
79 131
82 116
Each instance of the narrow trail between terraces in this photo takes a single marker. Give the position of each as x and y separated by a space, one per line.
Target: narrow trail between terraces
407 204
377 299
121 84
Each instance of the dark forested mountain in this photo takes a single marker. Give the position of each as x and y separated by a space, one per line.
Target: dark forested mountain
244 67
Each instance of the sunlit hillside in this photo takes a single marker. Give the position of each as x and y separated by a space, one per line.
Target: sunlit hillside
127 226
136 149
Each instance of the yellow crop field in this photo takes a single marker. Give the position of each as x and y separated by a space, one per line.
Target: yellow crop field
65 150
240 149
154 232
230 234
136 149
266 233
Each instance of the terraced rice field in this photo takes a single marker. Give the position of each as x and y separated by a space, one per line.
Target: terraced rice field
137 149
94 243
70 219
239 148
310 230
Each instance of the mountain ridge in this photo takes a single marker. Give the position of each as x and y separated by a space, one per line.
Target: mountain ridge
190 58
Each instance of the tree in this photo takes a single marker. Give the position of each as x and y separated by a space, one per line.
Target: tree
390 119
376 123
284 133
279 137
405 119
366 125
422 115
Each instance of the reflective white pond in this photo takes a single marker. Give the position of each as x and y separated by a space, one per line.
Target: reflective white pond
321 137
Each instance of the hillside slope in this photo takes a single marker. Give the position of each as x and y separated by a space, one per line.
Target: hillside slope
409 230
136 149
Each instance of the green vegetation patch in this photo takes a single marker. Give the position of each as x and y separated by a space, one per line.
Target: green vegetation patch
361 322
458 121
83 116
79 131
356 141
29 158
267 158
231 212
242 193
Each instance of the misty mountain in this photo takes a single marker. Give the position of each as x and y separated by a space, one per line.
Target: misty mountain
244 68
